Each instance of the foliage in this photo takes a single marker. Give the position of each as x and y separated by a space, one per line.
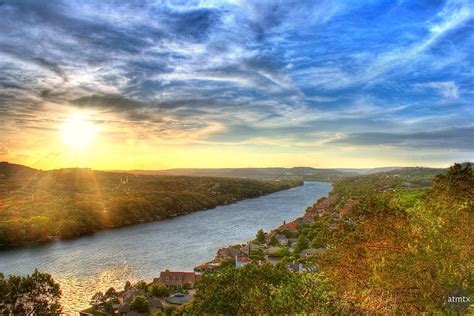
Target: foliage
302 243
264 289
142 285
159 290
273 241
260 238
140 304
35 294
83 201
404 257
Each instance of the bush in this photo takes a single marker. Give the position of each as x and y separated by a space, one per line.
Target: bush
159 290
140 305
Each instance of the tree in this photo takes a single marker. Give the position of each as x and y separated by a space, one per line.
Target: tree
159 290
274 241
266 289
140 305
35 294
302 243
260 236
127 286
142 285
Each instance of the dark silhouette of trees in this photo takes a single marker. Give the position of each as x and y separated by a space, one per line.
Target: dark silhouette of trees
35 294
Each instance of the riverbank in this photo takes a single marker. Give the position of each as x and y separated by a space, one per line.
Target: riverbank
38 206
108 258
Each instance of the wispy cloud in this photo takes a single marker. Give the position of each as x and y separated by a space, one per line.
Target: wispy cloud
448 89
317 73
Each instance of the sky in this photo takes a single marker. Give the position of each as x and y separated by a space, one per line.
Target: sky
166 84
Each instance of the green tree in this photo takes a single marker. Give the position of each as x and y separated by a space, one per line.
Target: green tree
302 243
262 289
260 236
35 294
159 290
142 285
274 241
140 305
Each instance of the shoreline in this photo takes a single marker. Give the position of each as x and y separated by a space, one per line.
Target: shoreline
33 244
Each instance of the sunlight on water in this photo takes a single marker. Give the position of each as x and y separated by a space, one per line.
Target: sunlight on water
77 290
94 263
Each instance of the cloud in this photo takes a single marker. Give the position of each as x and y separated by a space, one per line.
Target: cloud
448 89
240 72
459 138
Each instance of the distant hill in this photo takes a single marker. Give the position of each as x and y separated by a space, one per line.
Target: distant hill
296 173
10 169
369 170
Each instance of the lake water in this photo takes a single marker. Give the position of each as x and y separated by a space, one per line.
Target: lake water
93 263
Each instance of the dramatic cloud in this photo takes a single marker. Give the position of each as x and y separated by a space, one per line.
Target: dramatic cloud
318 75
454 138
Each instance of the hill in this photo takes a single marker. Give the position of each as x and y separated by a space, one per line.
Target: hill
296 173
37 205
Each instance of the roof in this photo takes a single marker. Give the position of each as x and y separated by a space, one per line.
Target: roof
230 252
291 225
177 278
245 259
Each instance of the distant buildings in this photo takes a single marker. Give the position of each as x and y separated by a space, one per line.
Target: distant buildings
177 278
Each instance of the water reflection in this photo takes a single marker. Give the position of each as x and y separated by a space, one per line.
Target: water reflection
94 263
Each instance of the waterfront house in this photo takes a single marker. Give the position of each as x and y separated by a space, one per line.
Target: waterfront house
240 262
289 226
247 249
177 278
207 267
228 253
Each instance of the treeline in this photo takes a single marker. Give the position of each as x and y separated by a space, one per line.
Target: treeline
40 205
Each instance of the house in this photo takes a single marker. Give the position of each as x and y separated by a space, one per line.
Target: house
177 278
312 251
207 267
240 262
228 253
300 267
249 248
289 226
282 240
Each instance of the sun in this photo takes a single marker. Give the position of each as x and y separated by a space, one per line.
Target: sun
78 131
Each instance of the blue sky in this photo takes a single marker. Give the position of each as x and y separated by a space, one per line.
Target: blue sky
320 83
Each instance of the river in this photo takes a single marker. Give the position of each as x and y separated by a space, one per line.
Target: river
93 263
